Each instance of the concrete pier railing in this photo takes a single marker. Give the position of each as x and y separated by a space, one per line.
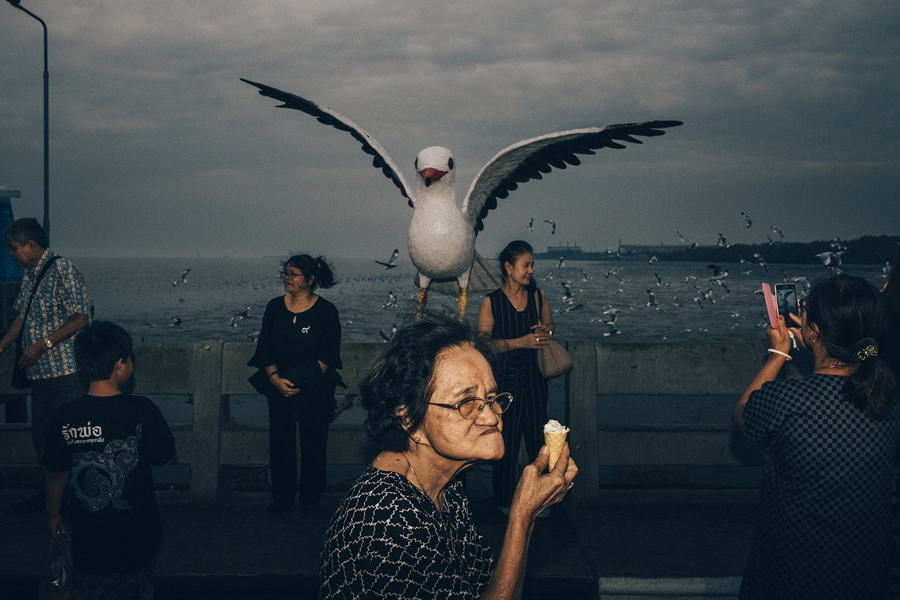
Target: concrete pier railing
211 371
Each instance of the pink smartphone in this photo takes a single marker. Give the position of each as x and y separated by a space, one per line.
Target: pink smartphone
771 305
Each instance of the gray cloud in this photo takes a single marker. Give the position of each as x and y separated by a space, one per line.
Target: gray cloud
158 148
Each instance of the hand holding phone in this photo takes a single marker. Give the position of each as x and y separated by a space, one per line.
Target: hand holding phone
782 301
788 301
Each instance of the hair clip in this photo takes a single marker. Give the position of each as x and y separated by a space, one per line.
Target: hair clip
870 351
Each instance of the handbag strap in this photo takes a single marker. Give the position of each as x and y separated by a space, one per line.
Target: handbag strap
33 290
539 302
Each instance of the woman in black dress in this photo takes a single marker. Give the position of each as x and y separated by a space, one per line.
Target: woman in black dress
831 441
297 353
519 318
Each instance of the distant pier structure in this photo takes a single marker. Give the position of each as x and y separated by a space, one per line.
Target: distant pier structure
572 251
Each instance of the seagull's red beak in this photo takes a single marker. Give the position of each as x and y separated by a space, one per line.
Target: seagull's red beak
431 175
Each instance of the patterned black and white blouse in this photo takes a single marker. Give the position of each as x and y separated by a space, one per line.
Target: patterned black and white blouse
388 540
824 528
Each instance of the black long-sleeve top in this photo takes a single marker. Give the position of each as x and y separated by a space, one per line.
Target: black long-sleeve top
288 339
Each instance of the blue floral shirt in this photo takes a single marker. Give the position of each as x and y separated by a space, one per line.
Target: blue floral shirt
60 295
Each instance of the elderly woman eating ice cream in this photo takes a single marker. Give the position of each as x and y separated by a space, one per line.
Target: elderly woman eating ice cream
404 530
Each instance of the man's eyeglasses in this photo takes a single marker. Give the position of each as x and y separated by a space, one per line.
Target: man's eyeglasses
470 408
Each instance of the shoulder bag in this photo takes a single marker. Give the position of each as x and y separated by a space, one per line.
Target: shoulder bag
553 360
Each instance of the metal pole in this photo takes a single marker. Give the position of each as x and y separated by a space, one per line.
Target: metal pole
16 4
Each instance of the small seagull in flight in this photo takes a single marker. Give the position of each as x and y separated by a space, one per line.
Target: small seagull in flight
614 272
651 298
584 276
778 231
183 279
392 261
831 260
722 242
747 220
387 337
762 260
176 322
561 263
244 314
530 226
611 316
652 260
391 300
552 226
659 281
691 243
568 298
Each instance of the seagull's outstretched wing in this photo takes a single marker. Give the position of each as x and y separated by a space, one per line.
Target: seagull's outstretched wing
380 158
530 158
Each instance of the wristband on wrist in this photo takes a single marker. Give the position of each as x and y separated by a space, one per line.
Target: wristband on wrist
779 353
273 374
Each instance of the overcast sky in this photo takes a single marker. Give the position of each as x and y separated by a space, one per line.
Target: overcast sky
790 113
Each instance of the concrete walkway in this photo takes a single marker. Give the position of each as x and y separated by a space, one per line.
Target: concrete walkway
639 544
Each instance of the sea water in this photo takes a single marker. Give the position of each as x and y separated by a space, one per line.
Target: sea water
660 302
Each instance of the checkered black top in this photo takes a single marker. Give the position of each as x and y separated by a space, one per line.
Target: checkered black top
824 530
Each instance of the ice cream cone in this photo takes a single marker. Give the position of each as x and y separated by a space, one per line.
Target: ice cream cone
555 442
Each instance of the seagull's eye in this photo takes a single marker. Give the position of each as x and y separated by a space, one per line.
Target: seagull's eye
450 163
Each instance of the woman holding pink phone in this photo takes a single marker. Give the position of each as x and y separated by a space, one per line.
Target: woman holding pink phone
830 441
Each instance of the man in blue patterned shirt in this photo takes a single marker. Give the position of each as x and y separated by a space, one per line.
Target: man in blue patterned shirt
58 309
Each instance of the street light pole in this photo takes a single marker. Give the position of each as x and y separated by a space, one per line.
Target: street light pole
16 4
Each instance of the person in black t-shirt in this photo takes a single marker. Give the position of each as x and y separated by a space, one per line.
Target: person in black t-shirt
298 350
102 446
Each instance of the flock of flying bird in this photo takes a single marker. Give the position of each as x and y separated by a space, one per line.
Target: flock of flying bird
702 291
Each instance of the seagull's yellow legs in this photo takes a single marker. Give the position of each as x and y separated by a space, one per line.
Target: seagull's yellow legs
463 298
420 307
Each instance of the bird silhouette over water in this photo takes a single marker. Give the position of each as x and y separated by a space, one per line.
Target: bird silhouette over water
441 238
244 314
392 261
184 278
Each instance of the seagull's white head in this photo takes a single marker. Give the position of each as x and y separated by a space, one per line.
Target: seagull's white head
434 164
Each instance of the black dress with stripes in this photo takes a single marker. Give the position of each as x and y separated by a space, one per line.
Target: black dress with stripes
517 373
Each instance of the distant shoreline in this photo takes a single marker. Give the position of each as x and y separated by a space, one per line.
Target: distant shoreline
867 250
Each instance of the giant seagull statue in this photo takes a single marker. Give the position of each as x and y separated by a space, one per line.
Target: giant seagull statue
441 238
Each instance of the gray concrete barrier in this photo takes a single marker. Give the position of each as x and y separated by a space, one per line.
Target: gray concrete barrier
211 371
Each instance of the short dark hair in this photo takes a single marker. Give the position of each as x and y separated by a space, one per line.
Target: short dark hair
849 315
27 230
98 347
402 378
317 268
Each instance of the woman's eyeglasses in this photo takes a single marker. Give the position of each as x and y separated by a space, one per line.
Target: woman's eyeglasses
470 408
